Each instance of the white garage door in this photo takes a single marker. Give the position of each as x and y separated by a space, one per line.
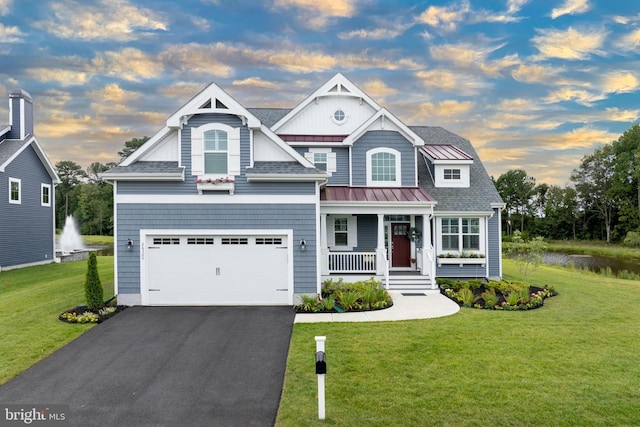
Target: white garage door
217 270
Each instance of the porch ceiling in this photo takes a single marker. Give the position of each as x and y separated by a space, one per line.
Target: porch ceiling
376 195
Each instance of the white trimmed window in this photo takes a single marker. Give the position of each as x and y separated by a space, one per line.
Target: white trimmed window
383 167
450 174
459 235
15 191
342 233
215 150
216 154
322 158
45 195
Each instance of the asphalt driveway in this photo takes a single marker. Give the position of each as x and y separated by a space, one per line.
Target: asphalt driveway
167 366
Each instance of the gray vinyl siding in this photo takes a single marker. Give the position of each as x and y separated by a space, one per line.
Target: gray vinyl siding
26 230
387 139
493 252
470 271
341 175
176 188
367 233
301 218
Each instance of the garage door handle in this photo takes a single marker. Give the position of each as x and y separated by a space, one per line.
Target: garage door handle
154 290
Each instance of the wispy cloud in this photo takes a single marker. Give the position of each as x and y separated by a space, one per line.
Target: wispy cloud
378 89
128 64
570 7
630 41
107 20
571 44
474 57
451 81
375 34
10 34
64 77
318 14
255 82
446 18
5 5
536 73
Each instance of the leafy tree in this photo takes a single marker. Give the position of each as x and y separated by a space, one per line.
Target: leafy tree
131 146
594 182
95 169
517 189
95 209
561 212
70 174
626 177
93 288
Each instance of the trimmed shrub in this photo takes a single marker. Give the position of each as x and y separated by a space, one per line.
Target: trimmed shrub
93 288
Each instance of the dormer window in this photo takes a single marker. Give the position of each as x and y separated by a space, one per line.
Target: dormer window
452 174
383 167
215 152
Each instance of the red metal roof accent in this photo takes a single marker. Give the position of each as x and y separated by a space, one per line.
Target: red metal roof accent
314 138
445 152
375 194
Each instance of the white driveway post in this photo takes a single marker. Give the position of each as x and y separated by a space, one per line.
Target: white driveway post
321 370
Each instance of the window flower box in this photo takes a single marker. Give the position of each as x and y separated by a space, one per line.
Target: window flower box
215 184
461 261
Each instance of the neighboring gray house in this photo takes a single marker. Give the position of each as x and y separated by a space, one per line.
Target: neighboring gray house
230 205
27 180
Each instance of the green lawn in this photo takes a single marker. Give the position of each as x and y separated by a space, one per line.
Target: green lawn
31 300
572 362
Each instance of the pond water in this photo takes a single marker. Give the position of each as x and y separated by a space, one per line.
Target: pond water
593 263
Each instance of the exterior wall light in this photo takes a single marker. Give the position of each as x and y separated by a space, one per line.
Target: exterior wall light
303 245
129 244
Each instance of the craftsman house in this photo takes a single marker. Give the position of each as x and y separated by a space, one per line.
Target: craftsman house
27 180
234 205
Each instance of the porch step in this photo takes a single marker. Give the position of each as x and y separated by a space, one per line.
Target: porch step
409 282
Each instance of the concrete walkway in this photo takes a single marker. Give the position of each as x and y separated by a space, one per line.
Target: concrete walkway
406 306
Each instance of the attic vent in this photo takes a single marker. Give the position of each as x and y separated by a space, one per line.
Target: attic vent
220 105
334 89
206 104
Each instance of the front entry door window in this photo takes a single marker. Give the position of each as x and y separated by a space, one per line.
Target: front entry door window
400 245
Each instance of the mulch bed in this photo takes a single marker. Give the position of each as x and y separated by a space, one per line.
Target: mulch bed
79 310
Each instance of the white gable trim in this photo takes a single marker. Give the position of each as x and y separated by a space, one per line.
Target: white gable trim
211 94
159 136
394 123
344 88
41 155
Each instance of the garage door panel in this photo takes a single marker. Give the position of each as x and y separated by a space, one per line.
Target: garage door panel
226 270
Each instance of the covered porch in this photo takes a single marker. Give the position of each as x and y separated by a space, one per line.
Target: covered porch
380 232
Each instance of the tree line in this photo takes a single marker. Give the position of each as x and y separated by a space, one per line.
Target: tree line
601 202
84 195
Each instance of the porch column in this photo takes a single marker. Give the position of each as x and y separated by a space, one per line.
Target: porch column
380 250
324 249
428 252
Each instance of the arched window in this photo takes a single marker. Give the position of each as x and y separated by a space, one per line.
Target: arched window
384 167
215 152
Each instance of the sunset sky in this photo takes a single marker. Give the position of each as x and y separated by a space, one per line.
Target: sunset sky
533 84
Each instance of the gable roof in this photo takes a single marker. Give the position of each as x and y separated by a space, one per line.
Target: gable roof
481 196
11 148
337 85
213 99
381 115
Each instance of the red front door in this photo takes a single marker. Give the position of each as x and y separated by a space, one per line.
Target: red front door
401 246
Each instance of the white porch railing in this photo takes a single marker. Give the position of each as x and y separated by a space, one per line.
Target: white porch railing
352 262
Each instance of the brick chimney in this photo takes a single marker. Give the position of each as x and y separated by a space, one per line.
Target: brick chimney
20 114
